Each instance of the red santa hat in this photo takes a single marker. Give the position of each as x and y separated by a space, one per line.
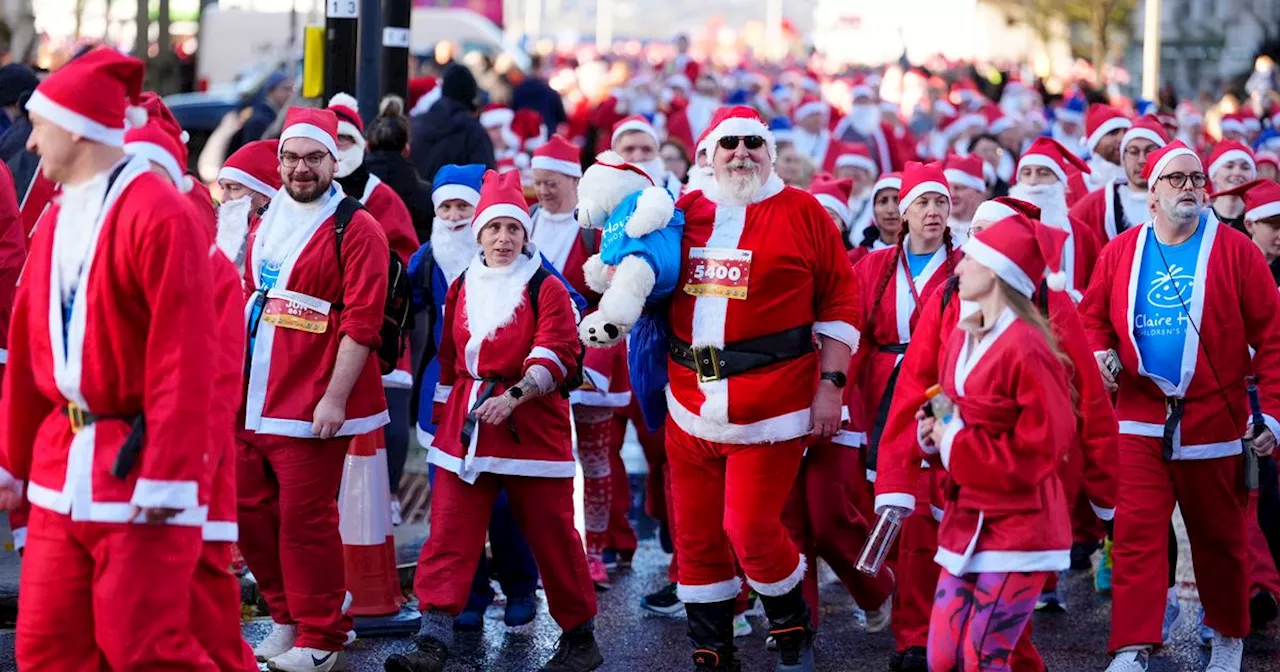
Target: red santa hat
1159 160
1101 120
1261 199
740 121
255 165
350 124
1188 114
1021 252
1147 127
501 195
920 179
834 195
856 155
997 121
1250 120
1050 154
611 159
632 123
1227 151
957 123
1233 123
809 106
528 127
93 96
965 171
494 115
558 155
1270 158
160 141
887 181
1002 207
861 88
313 124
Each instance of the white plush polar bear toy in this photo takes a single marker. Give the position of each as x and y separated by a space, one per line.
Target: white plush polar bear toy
639 255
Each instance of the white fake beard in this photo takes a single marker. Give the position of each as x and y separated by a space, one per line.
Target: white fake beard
453 249
1102 171
1050 198
233 228
738 190
349 160
656 170
701 179
864 119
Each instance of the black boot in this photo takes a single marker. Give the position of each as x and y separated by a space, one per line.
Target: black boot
577 651
915 659
711 634
790 627
430 657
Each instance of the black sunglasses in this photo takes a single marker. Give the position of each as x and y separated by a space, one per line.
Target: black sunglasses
730 142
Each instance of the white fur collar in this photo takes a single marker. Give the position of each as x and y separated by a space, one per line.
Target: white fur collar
494 294
770 188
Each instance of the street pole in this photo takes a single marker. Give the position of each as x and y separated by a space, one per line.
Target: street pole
774 48
342 19
604 25
395 47
1151 51
369 86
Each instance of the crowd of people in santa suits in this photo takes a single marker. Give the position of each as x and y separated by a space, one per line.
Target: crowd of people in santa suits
1022 350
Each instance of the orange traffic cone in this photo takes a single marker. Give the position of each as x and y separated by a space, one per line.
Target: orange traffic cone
369 547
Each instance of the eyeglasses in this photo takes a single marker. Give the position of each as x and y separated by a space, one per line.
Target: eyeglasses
313 160
730 142
1179 180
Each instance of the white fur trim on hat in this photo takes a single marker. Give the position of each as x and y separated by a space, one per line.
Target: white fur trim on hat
963 178
1001 265
158 155
241 177
858 161
1233 125
1139 133
341 99
311 132
73 122
451 192
501 210
1112 124
992 211
1228 157
498 117
833 203
919 190
886 183
1064 114
1043 161
349 129
1001 125
570 168
1263 211
812 107
1158 169
740 126
632 126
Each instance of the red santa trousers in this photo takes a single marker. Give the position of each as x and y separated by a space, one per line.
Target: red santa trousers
728 503
107 596
917 573
823 521
215 610
288 508
1213 501
543 507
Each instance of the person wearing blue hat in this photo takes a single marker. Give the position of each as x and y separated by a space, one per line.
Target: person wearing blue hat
276 91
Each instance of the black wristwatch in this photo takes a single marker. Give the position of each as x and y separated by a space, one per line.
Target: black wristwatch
516 392
837 378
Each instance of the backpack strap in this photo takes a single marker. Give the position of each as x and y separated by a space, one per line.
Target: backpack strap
1117 209
535 288
590 243
347 209
949 290
1042 299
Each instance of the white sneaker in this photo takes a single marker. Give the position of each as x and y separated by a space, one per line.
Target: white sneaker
1129 661
878 620
351 638
1227 652
279 640
346 602
396 515
741 626
299 659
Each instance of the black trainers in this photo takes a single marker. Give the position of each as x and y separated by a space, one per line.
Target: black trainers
1262 610
664 602
711 661
430 657
577 652
1082 556
915 659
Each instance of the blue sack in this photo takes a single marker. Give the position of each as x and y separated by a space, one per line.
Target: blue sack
647 357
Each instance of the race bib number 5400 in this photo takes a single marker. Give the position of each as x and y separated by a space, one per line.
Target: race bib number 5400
718 272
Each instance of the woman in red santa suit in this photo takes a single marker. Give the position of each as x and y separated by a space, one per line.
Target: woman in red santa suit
998 429
504 427
886 224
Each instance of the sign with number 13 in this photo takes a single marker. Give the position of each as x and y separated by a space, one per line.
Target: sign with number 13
343 9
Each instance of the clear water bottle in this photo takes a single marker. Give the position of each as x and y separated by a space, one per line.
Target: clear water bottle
883 536
940 405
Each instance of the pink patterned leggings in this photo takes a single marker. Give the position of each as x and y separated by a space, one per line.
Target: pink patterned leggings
978 618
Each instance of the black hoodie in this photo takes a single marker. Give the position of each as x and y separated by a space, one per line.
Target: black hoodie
398 173
450 132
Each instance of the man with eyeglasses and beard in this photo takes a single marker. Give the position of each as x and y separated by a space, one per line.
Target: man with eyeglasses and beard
1173 313
1122 204
746 392
315 315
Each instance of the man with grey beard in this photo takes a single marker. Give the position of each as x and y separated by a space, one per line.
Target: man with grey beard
1173 311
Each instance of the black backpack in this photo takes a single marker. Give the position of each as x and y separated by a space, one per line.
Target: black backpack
397 320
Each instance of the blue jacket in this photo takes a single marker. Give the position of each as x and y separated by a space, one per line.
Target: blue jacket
660 249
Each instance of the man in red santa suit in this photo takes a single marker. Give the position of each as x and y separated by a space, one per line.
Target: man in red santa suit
1232 127
118 273
865 124
968 190
637 141
745 392
854 162
1191 126
692 121
496 120
1104 127
1122 204
1043 181
811 135
1231 165
312 385
249 180
1177 348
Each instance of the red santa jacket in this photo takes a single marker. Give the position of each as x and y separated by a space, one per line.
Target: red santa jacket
39 194
290 364
888 313
1232 316
795 274
1079 256
889 146
537 440
1006 510
389 209
13 254
146 353
1093 454
1097 212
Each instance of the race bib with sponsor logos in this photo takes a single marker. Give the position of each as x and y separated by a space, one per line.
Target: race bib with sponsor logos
718 272
291 310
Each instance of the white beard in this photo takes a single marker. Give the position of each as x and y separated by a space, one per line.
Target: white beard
700 179
865 119
453 250
349 159
959 230
738 190
233 229
1050 198
1102 171
656 170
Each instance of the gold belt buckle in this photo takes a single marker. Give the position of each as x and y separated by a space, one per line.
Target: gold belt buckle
706 361
75 415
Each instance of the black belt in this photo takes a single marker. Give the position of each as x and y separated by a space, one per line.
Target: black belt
1176 407
713 364
129 450
487 386
893 348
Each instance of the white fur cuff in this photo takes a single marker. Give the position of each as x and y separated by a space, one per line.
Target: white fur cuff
722 591
780 588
